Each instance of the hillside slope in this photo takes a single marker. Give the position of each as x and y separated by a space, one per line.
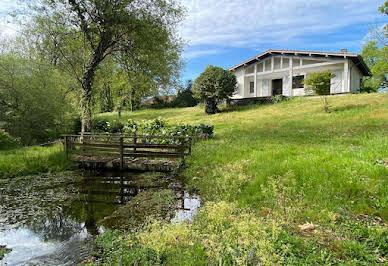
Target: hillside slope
284 183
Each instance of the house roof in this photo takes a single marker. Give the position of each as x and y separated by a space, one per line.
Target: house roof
356 58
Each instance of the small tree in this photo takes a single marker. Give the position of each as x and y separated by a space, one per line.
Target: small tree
319 83
214 85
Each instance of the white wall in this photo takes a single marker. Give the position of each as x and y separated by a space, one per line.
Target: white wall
240 84
264 79
355 76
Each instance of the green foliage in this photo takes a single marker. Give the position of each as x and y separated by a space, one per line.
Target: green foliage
35 160
156 127
185 97
377 61
140 39
214 85
4 250
6 141
32 99
319 82
270 170
384 8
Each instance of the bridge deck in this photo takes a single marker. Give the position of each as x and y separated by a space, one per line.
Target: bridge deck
149 153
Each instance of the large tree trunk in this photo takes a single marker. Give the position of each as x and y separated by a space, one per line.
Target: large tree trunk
211 106
87 81
86 97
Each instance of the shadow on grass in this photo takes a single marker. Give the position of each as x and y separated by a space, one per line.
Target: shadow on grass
349 107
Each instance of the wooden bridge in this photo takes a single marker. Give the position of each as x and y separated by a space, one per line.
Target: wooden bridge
136 152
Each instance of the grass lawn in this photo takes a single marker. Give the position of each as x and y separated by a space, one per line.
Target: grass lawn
35 160
284 183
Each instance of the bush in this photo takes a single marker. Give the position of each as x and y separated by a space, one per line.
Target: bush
154 127
213 86
6 141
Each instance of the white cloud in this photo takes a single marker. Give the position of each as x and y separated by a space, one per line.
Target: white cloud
253 23
191 54
7 24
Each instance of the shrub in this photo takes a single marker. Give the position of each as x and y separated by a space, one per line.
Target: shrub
320 84
152 127
6 141
213 86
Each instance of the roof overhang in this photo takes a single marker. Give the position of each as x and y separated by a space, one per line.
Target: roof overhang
356 58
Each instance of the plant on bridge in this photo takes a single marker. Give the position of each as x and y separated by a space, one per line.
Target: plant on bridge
156 127
319 83
213 86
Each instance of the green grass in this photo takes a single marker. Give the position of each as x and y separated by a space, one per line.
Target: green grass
270 171
35 160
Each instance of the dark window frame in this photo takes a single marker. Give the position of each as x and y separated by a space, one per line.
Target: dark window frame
297 84
252 87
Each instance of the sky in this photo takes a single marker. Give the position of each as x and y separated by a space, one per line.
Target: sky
227 32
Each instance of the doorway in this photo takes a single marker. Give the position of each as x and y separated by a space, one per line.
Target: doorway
277 87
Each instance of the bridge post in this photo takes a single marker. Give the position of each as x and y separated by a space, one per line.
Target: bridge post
121 153
190 144
134 143
65 147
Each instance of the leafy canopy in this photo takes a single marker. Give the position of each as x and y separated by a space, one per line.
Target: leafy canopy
138 34
319 82
214 85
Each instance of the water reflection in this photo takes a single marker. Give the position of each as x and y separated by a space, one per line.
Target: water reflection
53 219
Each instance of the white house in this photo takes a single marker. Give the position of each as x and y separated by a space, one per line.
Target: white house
281 72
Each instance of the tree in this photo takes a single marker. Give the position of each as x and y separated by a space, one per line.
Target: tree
370 54
32 99
141 30
320 83
214 85
185 97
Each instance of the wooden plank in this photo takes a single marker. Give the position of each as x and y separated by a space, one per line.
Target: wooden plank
121 154
101 145
96 153
153 154
65 147
152 145
129 136
127 146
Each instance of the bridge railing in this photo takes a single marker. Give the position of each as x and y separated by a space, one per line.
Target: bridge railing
127 146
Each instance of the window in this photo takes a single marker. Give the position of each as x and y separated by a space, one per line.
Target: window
276 63
267 65
297 82
251 87
286 63
260 67
296 62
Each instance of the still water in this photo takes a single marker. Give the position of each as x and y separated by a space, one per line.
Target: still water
52 220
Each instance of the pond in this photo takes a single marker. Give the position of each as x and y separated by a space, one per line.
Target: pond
53 219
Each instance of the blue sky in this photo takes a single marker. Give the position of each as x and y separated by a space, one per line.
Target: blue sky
226 32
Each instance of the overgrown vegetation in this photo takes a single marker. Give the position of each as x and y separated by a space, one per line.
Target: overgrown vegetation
282 184
156 127
7 142
35 160
375 54
214 85
320 83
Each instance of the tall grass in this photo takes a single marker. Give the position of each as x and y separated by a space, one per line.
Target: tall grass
284 183
33 160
